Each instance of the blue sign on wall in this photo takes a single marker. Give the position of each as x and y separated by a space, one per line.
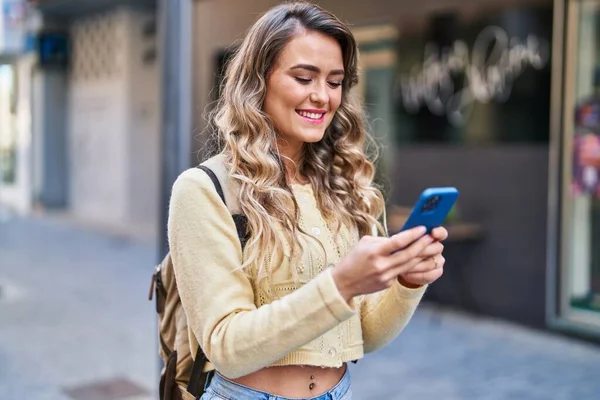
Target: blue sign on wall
13 26
53 49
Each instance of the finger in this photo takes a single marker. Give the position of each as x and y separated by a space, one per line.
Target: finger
405 260
411 252
433 249
424 265
403 239
402 268
440 233
433 276
427 264
423 278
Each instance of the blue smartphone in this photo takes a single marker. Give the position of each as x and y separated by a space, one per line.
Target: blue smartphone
432 208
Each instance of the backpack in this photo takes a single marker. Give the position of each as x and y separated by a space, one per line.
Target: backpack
184 377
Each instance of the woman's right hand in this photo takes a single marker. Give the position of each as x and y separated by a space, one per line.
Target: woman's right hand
370 266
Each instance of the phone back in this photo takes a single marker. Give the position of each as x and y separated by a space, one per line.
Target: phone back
432 208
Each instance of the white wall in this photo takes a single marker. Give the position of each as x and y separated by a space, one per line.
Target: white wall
97 119
143 123
113 124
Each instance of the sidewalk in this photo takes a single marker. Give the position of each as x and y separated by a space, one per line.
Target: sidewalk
74 312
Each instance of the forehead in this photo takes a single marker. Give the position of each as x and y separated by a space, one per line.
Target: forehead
312 48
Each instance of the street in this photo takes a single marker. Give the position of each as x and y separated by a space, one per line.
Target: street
75 313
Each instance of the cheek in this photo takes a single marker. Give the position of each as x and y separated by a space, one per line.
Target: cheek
289 93
294 95
277 98
336 101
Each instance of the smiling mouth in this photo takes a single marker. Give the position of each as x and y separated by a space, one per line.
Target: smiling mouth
314 118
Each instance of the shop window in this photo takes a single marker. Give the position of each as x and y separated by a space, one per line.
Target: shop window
8 124
475 80
581 196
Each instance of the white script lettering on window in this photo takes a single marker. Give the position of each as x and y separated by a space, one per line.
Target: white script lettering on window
495 62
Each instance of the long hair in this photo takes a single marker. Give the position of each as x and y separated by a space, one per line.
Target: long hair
339 171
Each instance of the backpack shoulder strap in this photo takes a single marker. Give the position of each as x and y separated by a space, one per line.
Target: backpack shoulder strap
198 376
229 187
228 190
215 182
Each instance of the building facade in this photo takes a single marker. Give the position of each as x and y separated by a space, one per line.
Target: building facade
470 92
490 97
95 93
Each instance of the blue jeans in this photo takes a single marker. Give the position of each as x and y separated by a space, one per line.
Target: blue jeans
221 388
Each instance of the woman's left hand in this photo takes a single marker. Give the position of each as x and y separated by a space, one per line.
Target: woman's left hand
432 262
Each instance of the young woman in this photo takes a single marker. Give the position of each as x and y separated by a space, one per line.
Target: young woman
316 285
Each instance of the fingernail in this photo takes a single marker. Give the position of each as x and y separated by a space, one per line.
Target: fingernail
422 230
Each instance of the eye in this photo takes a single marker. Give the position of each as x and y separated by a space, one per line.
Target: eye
335 85
303 81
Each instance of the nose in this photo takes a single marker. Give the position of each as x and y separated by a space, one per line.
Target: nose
319 94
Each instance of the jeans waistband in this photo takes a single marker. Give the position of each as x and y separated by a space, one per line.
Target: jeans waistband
230 390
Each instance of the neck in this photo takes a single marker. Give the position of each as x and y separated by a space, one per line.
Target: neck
292 172
291 160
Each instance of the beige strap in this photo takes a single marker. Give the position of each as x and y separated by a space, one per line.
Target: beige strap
230 188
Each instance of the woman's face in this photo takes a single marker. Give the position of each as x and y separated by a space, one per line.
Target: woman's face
304 90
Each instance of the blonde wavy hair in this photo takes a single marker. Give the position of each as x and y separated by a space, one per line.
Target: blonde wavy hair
338 168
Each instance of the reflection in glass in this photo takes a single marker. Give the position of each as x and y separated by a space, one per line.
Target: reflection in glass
583 158
8 134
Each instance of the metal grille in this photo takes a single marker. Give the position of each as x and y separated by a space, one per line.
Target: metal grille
96 43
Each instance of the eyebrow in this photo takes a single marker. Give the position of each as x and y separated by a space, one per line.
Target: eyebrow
312 68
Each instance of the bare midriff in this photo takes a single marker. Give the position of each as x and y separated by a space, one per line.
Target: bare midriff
294 381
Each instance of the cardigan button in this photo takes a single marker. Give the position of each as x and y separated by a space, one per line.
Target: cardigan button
332 352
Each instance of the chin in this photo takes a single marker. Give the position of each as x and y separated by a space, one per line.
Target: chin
312 137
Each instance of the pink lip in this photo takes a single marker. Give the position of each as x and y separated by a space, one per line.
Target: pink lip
310 120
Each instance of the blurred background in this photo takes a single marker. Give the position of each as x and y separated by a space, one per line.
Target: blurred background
102 105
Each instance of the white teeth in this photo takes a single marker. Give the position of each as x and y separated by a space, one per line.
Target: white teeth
310 115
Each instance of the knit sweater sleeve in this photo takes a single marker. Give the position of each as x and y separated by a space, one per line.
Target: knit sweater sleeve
217 296
385 314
